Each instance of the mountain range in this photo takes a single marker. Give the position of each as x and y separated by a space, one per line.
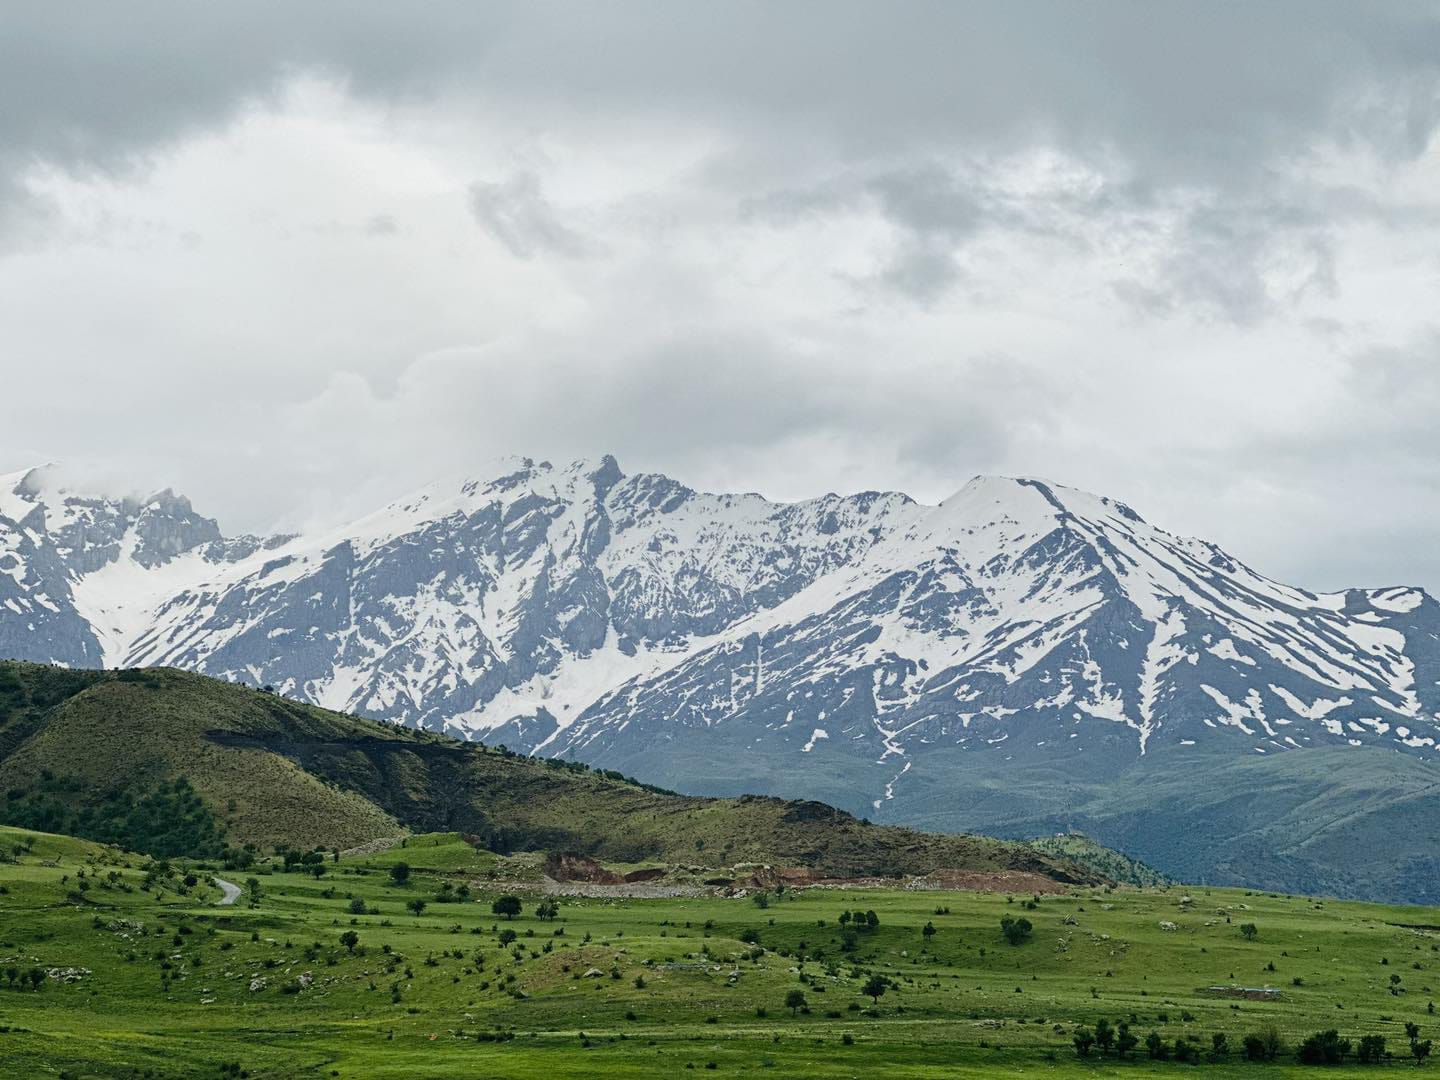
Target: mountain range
1022 658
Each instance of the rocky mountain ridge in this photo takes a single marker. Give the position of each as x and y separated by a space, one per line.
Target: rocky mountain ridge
866 650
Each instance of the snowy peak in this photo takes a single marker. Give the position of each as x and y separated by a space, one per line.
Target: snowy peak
585 610
1019 617
1028 501
90 530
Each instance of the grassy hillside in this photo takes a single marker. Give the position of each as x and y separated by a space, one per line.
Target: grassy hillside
157 759
142 974
1119 868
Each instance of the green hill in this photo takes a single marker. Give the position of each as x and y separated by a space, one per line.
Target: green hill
116 967
171 763
1118 867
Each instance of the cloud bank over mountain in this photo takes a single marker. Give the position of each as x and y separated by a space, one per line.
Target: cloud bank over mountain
338 249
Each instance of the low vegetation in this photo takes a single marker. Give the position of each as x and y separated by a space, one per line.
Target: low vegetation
434 958
1112 864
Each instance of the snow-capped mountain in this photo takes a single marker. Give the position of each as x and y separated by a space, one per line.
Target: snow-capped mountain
867 650
1018 617
461 607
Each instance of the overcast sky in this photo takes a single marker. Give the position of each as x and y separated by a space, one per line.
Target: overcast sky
295 259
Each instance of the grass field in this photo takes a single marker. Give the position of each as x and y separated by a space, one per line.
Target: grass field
161 980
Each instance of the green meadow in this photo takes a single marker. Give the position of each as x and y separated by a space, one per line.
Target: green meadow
144 975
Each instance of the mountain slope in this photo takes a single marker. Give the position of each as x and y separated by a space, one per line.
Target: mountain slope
1018 617
272 771
891 658
1080 848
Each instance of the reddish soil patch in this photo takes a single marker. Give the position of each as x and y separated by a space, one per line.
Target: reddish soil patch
566 866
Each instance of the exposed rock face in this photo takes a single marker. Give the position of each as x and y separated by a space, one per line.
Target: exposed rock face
567 866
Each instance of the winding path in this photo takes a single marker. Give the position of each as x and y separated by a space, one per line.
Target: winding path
231 891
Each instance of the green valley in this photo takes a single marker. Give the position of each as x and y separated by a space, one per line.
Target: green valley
201 879
394 963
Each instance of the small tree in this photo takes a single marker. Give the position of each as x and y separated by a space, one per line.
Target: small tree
928 930
795 1001
875 987
1263 1045
548 909
1249 931
1104 1035
506 905
350 939
1418 1050
357 906
507 936
37 978
1371 1050
1124 1040
1156 1046
416 905
871 920
1323 1048
1015 930
1084 1039
400 873
844 918
1219 1045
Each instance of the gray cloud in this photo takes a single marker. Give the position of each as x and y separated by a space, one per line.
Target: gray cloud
381 225
1189 90
516 212
1180 253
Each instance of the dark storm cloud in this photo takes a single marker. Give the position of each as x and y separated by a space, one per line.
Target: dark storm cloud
1190 90
1208 96
1106 241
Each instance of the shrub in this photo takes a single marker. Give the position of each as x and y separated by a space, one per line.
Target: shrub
1323 1048
1157 1047
1371 1050
1015 930
1263 1045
